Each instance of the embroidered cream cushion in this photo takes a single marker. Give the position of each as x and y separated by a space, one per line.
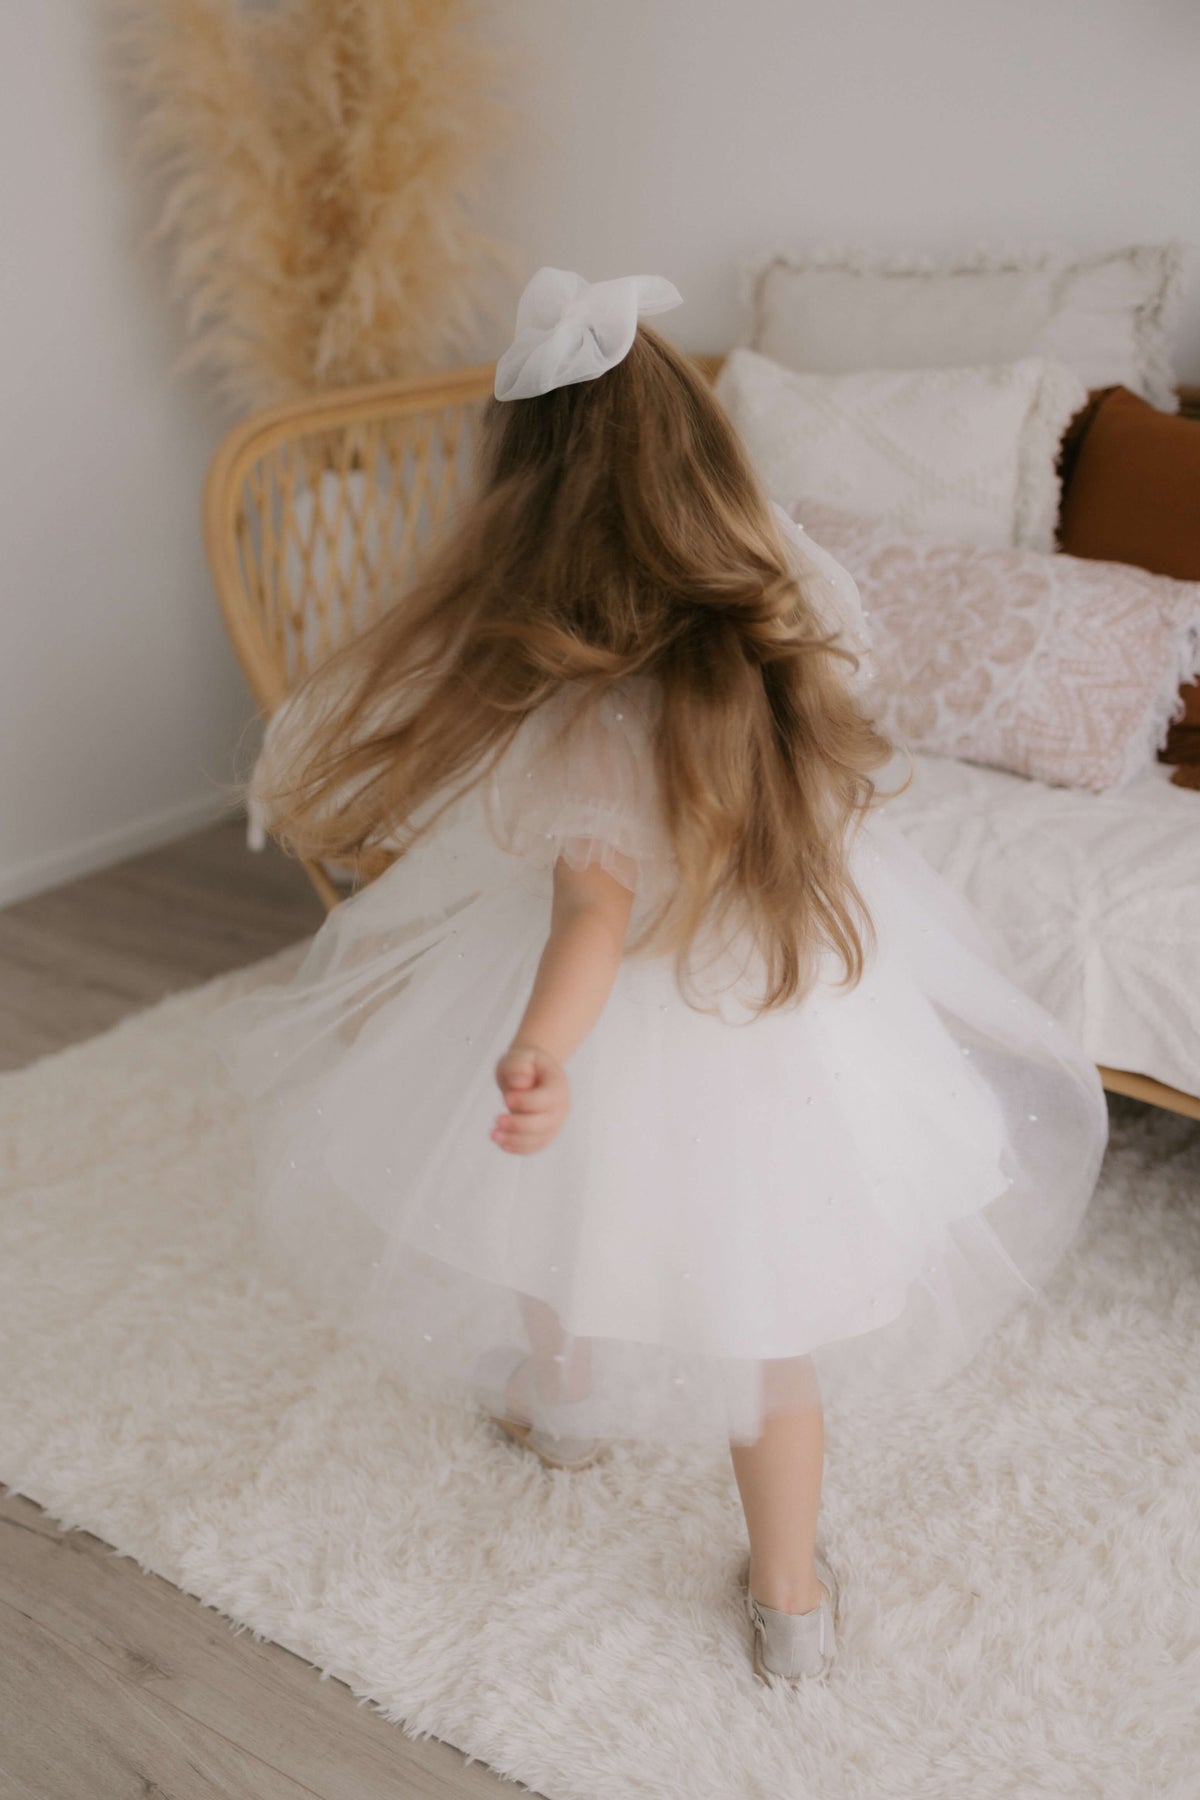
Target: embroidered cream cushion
963 453
1111 317
1062 669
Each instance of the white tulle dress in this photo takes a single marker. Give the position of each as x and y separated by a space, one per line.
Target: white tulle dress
869 1179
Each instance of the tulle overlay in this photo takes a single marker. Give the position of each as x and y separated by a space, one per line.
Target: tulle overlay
869 1179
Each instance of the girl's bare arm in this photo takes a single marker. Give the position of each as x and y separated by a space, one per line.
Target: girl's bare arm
588 923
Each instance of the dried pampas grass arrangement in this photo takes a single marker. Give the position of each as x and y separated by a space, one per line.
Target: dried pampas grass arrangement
319 161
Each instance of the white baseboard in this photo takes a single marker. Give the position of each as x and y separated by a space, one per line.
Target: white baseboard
82 857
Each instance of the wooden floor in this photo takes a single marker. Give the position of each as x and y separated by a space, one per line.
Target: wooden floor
113 1684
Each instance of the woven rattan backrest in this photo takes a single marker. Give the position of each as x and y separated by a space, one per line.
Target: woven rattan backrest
317 516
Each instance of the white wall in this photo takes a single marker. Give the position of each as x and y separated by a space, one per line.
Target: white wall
674 136
669 136
119 701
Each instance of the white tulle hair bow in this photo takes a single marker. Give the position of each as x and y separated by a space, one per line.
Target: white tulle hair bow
569 329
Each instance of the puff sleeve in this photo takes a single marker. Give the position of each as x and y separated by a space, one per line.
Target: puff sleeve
833 593
579 783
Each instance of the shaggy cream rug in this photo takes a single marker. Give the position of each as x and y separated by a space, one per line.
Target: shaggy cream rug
1019 1554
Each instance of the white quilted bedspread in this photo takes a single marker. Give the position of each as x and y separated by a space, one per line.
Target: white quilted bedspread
1096 898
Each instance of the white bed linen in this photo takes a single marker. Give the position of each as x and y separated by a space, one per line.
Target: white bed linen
1095 899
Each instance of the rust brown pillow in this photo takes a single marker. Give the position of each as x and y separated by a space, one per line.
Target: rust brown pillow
1132 495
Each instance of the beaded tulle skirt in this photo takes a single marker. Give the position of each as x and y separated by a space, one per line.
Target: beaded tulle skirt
843 1196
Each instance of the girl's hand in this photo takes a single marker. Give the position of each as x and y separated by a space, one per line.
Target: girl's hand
538 1097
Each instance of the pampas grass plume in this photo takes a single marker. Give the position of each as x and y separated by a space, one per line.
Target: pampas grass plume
319 162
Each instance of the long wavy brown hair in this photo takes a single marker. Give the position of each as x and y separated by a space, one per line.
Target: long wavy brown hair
617 529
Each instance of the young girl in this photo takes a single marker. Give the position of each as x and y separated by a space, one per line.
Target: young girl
770 1122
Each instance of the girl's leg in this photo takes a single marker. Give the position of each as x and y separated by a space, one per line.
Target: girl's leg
559 1367
779 1480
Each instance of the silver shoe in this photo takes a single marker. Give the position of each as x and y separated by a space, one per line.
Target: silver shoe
555 1449
795 1647
555 1452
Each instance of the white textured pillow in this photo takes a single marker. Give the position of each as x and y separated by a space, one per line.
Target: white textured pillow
961 453
1062 669
1111 317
